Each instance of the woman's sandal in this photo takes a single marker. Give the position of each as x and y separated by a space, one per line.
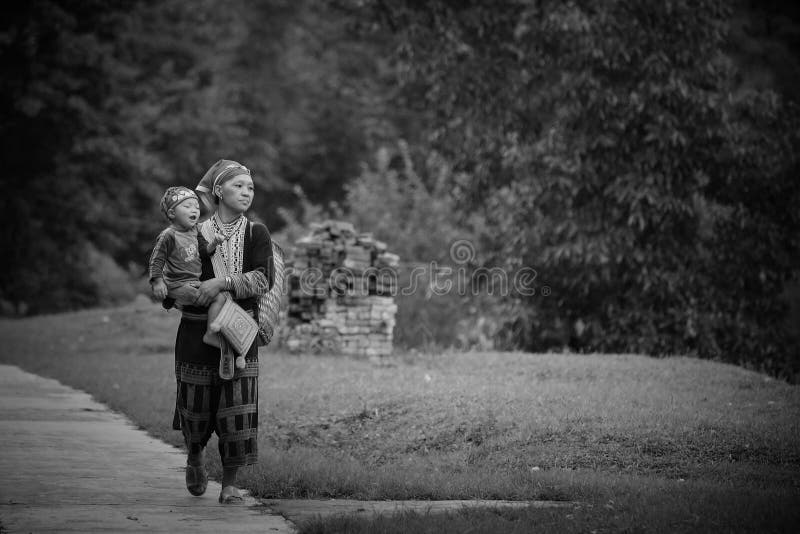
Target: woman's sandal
196 479
230 495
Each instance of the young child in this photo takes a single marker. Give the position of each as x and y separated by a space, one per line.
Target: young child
175 261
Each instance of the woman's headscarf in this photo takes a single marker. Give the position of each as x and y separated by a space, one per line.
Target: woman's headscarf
218 174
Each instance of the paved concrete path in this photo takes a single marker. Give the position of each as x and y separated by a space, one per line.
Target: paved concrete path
68 464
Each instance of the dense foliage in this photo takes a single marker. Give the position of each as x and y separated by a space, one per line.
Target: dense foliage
610 147
105 104
640 156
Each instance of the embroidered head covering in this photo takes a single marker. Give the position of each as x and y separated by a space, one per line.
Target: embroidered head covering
219 173
174 196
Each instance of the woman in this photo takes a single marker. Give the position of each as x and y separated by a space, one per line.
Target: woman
205 403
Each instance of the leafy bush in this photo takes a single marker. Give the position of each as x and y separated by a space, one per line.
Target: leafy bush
612 150
414 213
108 103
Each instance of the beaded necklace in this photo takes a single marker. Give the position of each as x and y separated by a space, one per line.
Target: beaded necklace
232 249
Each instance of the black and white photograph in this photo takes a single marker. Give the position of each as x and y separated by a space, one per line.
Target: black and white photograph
400 266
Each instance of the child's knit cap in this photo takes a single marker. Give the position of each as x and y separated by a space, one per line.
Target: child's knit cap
174 196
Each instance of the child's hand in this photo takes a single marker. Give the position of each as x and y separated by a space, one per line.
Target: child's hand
159 289
211 247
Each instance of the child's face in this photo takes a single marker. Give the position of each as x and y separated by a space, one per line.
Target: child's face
186 213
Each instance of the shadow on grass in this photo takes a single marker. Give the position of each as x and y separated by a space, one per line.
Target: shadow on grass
650 510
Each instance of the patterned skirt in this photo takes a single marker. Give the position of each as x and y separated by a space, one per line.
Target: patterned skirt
205 404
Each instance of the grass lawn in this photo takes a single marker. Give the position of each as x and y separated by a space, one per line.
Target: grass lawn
641 444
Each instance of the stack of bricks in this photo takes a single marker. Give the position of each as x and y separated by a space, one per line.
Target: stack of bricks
341 285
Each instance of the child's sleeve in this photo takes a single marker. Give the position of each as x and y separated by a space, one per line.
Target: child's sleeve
161 250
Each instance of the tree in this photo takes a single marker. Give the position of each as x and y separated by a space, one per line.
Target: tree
104 105
95 102
608 146
53 69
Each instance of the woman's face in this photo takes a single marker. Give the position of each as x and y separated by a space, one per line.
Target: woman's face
237 193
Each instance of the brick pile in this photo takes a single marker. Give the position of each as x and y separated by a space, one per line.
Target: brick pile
340 293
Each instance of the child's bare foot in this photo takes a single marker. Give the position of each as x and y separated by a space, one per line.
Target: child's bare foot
240 363
211 338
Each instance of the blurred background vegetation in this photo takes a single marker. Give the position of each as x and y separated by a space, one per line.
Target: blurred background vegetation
641 156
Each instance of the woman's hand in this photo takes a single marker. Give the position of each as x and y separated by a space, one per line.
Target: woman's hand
209 289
